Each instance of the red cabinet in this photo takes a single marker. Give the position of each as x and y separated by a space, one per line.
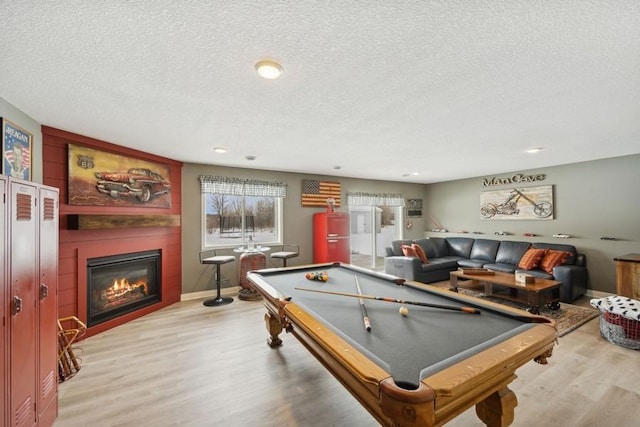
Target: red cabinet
331 239
31 271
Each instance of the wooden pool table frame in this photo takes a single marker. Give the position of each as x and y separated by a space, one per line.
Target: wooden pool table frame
481 379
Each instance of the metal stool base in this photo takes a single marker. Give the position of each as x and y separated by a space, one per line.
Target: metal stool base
214 302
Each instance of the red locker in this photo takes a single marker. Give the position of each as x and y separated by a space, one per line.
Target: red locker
4 377
48 306
30 294
331 239
23 275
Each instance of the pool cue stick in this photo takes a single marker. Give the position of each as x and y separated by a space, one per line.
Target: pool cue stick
399 301
363 309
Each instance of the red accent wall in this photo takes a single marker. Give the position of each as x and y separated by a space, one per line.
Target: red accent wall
76 246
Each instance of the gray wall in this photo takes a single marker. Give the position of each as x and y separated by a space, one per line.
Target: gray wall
592 200
16 116
297 219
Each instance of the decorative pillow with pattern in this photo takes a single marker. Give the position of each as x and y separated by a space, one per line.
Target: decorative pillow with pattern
409 251
420 252
553 259
531 258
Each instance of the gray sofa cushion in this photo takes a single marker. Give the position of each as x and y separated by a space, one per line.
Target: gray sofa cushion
510 252
440 247
460 246
484 249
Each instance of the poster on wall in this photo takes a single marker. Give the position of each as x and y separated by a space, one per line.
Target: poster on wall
517 203
16 150
99 178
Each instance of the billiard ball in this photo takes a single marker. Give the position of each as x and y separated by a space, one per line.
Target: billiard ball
403 311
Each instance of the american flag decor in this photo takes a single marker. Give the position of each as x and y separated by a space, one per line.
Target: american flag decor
316 193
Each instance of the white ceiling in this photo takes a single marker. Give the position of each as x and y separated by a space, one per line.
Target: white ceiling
449 89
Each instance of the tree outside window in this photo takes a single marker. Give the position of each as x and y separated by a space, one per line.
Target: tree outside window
235 220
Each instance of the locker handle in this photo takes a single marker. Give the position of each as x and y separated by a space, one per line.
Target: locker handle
16 306
44 291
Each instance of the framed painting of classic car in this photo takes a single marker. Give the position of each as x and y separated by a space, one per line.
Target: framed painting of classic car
98 178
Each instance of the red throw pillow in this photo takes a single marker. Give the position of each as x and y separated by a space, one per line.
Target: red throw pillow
552 259
420 252
531 258
409 251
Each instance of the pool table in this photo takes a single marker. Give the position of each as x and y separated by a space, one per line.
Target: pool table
422 369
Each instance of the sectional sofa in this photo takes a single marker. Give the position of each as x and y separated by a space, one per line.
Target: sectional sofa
446 254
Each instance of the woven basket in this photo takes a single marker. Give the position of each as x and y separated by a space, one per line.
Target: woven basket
620 330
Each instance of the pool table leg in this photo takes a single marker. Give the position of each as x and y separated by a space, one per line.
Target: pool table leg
497 410
275 328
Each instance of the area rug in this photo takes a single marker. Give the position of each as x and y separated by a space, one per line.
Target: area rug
568 317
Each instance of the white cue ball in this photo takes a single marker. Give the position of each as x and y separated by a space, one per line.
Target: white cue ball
404 311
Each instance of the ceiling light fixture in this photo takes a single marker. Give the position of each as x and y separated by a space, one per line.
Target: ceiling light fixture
269 69
250 157
219 150
534 150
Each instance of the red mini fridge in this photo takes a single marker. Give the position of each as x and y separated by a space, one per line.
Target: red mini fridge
331 237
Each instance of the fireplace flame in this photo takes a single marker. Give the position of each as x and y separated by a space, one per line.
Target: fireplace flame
122 286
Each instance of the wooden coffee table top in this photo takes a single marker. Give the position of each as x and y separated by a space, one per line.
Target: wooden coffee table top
509 279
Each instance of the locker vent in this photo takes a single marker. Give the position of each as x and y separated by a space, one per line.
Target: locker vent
48 207
24 413
23 207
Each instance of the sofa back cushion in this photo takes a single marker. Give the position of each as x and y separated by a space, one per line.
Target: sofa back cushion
511 252
459 246
397 246
434 247
571 258
485 249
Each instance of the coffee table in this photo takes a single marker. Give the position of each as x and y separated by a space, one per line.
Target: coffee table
539 292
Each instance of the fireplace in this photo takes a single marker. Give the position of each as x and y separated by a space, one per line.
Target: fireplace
121 284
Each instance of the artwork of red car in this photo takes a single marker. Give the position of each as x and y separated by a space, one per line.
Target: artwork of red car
136 182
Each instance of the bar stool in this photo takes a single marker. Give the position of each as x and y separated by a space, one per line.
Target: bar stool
286 252
216 260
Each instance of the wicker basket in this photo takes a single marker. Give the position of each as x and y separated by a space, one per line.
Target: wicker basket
620 330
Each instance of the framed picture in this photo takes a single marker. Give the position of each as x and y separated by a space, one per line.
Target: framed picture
517 203
414 208
16 150
100 178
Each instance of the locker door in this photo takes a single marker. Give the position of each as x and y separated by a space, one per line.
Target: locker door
3 300
48 306
23 296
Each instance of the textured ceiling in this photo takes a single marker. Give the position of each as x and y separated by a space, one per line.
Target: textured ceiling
447 89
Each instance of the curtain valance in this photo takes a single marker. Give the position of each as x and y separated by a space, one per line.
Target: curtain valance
374 199
242 187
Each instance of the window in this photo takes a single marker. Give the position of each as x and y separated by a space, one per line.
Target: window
236 211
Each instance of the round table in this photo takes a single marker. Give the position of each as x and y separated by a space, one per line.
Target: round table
250 259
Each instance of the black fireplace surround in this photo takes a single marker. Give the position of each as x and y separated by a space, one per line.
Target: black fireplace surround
121 284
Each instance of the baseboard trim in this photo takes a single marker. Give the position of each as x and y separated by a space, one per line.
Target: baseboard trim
233 290
597 294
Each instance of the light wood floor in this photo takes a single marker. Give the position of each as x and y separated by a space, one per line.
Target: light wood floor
191 365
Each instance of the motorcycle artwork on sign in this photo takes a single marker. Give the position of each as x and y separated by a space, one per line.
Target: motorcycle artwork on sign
517 203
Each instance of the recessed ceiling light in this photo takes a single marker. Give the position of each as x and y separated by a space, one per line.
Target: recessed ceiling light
534 150
219 150
250 157
269 69
337 167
